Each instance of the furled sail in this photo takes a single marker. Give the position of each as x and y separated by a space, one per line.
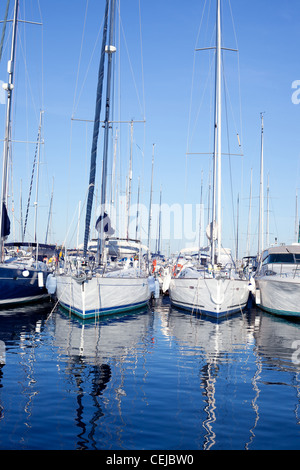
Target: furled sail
95 133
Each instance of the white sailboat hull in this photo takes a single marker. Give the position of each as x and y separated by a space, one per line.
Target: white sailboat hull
277 281
213 297
279 296
101 295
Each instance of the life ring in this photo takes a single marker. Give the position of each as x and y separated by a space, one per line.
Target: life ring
154 265
177 267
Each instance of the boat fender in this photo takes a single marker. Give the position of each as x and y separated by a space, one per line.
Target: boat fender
151 283
251 285
40 280
154 265
166 282
156 291
51 284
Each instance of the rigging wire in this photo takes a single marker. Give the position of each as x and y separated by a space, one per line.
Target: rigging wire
228 103
226 99
131 68
4 29
78 92
144 103
229 156
239 70
76 102
89 64
80 55
191 95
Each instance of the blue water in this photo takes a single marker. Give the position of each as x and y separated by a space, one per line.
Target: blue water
156 379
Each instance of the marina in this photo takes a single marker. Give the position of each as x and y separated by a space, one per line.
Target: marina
148 301
161 379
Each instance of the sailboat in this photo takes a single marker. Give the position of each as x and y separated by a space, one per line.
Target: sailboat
214 288
90 289
22 277
277 279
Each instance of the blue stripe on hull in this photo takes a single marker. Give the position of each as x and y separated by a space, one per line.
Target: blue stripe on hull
216 315
103 311
280 313
17 289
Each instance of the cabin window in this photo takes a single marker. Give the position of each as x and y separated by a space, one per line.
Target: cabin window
281 258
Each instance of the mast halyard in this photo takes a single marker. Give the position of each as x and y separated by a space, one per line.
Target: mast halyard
8 87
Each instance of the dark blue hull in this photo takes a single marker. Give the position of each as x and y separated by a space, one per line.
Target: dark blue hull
21 284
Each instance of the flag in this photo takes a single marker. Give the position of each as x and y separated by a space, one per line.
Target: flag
105 220
5 225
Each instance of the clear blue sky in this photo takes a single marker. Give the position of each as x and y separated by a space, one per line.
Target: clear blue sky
259 79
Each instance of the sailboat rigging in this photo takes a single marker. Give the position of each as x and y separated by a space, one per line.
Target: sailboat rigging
8 87
96 134
102 287
277 278
216 288
22 274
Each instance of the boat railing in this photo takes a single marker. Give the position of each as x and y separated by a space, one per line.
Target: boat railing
282 270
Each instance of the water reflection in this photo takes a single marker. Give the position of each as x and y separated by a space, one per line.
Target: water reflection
158 378
216 341
277 353
275 339
20 328
88 348
249 335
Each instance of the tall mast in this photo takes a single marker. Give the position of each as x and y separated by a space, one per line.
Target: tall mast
268 215
261 192
159 225
216 204
129 180
150 204
249 217
296 220
237 230
37 178
201 202
50 214
8 87
110 49
137 212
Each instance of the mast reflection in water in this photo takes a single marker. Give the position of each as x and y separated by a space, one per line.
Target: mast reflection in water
159 378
